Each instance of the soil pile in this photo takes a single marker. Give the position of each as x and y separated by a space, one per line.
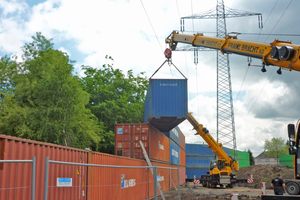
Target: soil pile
263 173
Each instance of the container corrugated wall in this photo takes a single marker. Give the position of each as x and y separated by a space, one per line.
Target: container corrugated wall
174 153
286 160
117 183
181 139
242 157
182 157
166 103
198 157
87 182
163 176
128 136
13 148
177 136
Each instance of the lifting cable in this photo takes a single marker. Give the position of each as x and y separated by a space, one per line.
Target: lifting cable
273 67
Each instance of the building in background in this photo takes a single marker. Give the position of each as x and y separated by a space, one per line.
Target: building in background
264 159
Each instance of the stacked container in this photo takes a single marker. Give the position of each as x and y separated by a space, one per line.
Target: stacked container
242 157
127 138
198 157
286 160
87 182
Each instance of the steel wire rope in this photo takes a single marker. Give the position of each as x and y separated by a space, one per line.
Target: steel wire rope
154 32
151 25
186 66
280 18
198 107
273 67
259 34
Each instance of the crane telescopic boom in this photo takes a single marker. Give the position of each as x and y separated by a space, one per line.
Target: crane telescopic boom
282 54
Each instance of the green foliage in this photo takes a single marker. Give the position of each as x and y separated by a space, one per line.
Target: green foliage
40 98
115 98
46 102
252 161
276 147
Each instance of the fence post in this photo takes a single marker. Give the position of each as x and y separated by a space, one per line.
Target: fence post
33 165
155 181
178 184
46 178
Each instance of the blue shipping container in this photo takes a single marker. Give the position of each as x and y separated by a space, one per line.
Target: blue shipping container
173 134
201 149
198 161
190 172
166 103
174 153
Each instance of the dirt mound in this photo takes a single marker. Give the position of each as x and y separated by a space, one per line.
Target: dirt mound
264 173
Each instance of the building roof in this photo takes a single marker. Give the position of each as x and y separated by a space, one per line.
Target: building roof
263 155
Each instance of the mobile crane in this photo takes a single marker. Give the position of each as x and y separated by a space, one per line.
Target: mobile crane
282 54
293 186
220 171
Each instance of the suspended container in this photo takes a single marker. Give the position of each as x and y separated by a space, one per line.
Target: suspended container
166 103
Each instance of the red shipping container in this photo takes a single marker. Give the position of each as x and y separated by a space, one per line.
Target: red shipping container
174 176
163 176
182 157
127 139
17 176
117 183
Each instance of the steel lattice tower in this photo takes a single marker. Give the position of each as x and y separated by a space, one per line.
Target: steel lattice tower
225 112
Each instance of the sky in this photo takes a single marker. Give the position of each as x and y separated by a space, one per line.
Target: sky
133 33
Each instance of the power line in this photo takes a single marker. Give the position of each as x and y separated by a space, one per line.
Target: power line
274 67
267 18
280 18
152 26
259 34
274 34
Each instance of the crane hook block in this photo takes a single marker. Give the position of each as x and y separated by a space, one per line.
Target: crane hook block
168 53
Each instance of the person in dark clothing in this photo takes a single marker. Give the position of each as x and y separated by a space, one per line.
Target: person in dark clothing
278 185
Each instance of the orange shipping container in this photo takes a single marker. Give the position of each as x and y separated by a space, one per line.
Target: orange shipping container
117 183
174 176
163 176
181 140
182 157
17 176
128 136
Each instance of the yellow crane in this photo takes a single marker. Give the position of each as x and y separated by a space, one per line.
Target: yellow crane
221 170
282 54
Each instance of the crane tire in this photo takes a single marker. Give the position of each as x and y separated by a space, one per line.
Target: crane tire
292 188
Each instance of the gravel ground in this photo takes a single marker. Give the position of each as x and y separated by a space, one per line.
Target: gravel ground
201 193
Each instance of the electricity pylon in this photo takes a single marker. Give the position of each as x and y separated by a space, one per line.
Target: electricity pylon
225 112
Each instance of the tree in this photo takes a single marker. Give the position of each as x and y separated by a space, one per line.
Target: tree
115 98
47 103
276 147
252 161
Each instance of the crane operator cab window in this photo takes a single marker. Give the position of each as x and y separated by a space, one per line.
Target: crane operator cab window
221 164
212 164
